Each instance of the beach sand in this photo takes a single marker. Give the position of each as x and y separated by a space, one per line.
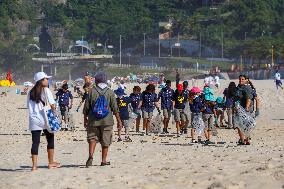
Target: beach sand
149 162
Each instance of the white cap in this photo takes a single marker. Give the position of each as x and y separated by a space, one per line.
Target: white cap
40 75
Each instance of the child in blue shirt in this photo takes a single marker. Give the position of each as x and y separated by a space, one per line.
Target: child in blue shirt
149 100
220 109
180 99
135 100
63 95
166 95
196 108
209 113
123 103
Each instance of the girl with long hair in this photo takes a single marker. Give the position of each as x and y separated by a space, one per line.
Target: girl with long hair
37 97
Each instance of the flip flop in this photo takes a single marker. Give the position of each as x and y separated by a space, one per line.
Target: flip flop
105 163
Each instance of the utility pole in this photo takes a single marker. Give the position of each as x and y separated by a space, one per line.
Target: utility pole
200 44
222 41
179 46
159 46
82 46
272 56
120 50
144 43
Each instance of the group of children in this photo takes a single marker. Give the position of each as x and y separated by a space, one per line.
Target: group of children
185 105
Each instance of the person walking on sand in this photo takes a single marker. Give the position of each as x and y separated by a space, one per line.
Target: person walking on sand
179 99
149 100
123 103
37 97
244 95
228 98
63 95
166 95
135 100
278 80
98 120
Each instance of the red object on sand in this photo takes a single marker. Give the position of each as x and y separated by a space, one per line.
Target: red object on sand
9 76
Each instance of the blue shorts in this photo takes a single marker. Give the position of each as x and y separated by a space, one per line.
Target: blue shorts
278 82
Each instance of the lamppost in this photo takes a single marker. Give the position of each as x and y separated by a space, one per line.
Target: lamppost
105 47
272 56
120 50
129 55
144 43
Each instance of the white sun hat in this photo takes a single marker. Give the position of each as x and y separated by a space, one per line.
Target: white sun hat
40 75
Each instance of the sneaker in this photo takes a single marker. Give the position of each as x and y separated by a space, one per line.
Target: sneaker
128 139
185 131
119 140
89 162
164 130
208 142
193 141
199 140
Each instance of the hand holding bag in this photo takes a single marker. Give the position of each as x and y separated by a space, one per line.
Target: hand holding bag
52 124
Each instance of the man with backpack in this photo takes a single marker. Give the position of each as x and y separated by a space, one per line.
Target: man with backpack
100 106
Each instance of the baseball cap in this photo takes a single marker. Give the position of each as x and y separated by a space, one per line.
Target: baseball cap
195 90
179 87
40 75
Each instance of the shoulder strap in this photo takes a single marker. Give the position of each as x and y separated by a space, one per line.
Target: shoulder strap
99 92
45 98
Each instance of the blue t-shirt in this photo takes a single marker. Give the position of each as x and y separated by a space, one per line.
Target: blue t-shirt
196 106
64 97
209 107
123 107
229 98
166 95
148 101
186 92
135 100
180 100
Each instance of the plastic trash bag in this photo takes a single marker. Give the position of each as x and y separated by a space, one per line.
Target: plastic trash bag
198 124
156 124
243 120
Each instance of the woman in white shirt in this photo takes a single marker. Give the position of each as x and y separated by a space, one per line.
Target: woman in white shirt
37 97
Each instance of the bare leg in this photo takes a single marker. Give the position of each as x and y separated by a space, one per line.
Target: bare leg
242 137
206 134
144 123
51 162
119 133
178 127
92 147
104 153
147 125
192 133
34 161
137 124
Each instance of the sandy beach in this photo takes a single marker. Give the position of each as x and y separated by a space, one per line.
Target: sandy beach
149 162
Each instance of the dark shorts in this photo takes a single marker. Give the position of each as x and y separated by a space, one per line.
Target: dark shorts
63 109
101 134
278 82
